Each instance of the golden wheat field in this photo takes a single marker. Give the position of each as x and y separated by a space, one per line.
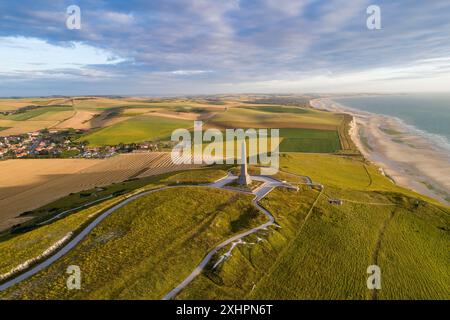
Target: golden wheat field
29 184
21 127
80 120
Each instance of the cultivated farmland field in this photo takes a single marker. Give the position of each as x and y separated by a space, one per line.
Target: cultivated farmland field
253 118
309 140
20 127
44 114
32 183
142 128
324 237
80 120
14 104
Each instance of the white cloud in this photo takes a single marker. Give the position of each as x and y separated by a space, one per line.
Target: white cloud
21 55
189 72
288 7
117 17
417 76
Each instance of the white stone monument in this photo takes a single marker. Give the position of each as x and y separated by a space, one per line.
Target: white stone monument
244 178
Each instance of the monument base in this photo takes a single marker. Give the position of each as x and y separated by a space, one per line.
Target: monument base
244 179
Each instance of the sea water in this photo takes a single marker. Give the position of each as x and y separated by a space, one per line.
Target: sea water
424 114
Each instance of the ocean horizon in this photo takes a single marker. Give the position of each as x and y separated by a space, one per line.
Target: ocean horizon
425 114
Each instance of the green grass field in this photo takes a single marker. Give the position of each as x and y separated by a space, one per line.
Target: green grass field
309 140
235 278
76 200
137 129
98 103
37 239
292 140
329 257
202 176
414 254
164 235
102 103
319 250
40 113
326 256
16 249
280 109
346 173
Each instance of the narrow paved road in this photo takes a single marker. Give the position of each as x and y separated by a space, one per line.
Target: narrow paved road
268 185
72 243
260 192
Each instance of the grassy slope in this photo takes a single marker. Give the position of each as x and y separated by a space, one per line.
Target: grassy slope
345 173
235 278
329 256
163 236
17 249
414 255
195 177
136 129
26 243
326 257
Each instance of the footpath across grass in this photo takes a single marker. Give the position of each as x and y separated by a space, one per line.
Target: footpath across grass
146 248
326 257
29 240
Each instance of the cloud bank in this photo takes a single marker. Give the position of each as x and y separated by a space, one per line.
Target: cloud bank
204 46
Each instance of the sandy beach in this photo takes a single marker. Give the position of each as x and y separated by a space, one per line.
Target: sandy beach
409 159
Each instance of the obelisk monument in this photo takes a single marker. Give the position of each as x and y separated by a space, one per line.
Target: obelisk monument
244 178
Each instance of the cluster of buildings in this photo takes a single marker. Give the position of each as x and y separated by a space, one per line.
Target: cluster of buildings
37 144
62 144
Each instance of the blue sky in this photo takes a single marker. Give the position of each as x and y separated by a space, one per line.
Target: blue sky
223 46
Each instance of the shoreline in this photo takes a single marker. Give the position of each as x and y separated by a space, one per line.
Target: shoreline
410 160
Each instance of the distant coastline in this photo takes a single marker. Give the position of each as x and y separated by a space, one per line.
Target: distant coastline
409 157
423 114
